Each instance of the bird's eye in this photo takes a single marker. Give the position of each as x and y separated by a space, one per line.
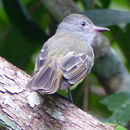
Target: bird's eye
83 23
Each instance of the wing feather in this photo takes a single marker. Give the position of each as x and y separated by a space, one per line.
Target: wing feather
75 67
47 75
41 58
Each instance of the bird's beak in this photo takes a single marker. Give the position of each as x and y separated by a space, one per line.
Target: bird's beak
100 29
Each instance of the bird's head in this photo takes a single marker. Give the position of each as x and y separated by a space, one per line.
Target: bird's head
81 25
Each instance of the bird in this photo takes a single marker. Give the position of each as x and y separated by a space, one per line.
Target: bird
67 57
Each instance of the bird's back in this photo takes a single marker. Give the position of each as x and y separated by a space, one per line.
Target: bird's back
62 43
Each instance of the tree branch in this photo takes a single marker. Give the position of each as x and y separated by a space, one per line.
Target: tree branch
108 68
24 109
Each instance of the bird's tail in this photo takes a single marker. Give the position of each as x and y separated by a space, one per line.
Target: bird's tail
47 79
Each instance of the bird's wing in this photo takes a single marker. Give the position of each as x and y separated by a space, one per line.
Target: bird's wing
75 66
47 75
41 58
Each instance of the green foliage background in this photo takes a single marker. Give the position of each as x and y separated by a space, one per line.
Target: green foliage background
25 25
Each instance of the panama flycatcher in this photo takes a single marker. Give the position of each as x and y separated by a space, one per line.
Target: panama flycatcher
67 57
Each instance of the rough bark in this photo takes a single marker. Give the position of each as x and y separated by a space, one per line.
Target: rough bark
21 108
108 68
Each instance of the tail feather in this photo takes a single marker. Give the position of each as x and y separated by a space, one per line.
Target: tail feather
47 79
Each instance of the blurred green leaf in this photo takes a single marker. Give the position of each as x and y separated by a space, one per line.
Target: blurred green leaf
106 17
122 38
16 49
119 104
96 108
105 3
22 20
119 127
87 3
120 4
